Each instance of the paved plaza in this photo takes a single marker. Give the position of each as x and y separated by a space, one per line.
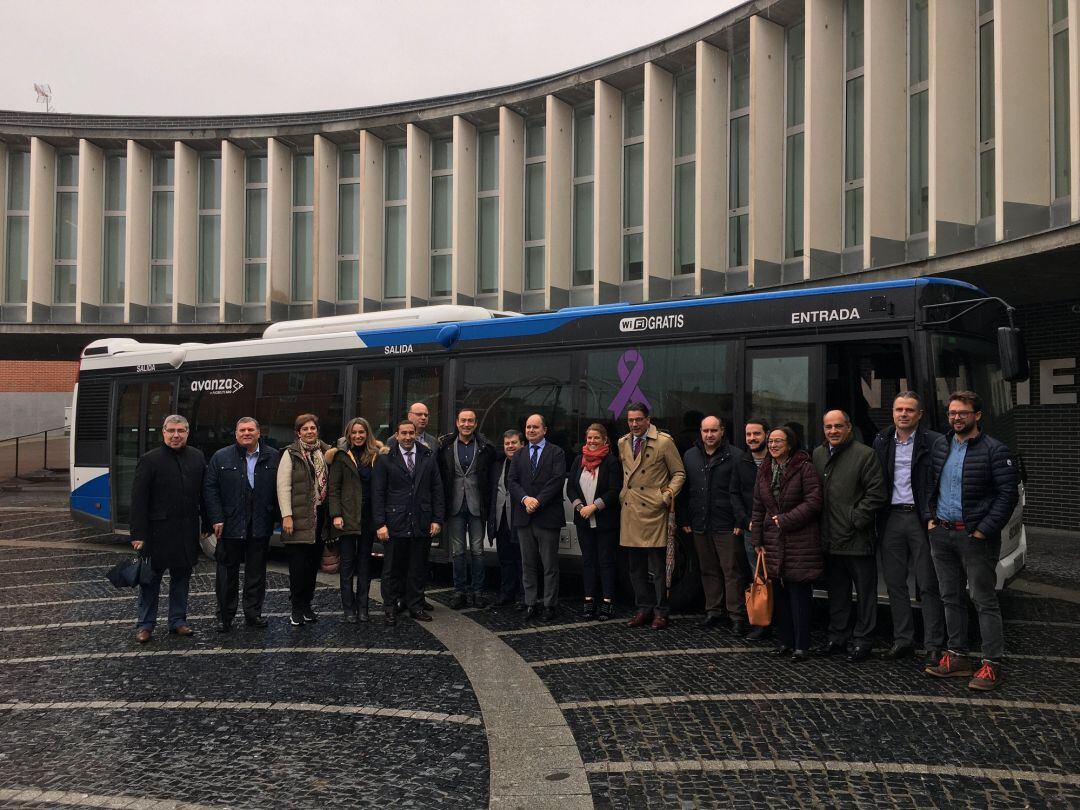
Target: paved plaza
477 709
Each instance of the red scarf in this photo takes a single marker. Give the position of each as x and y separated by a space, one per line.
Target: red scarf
590 459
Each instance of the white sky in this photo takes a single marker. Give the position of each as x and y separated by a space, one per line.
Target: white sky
191 57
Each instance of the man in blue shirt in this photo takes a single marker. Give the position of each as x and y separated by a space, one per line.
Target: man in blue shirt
972 494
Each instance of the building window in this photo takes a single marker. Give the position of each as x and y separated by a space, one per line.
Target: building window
986 108
685 153
853 123
487 212
303 208
1059 50
795 125
348 248
442 217
584 122
535 164
918 117
161 230
112 267
633 185
67 228
394 212
255 230
209 229
739 160
17 249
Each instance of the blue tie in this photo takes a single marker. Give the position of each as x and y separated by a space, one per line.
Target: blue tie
535 455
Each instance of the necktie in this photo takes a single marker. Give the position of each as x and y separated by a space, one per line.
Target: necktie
637 446
409 460
535 455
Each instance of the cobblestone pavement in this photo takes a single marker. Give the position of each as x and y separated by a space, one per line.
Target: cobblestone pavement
340 715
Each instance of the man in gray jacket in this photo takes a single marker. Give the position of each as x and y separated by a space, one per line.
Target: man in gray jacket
854 492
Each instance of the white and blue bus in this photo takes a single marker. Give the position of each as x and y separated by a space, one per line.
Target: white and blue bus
785 357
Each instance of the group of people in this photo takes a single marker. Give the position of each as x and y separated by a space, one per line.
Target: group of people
933 505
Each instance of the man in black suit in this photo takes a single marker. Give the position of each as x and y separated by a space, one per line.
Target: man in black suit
407 498
500 522
536 478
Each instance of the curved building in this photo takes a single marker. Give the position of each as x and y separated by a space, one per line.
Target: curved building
782 143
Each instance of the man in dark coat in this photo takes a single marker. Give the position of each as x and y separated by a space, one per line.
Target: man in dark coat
704 509
743 476
165 520
500 528
536 478
972 494
240 498
904 453
854 492
407 510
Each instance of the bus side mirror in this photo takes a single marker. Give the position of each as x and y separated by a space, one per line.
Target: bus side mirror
1012 357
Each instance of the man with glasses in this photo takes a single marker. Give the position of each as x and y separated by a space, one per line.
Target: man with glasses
973 490
418 415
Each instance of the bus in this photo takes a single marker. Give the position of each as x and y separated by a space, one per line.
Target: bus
785 356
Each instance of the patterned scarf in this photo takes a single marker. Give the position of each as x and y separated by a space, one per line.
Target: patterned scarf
314 457
778 468
590 459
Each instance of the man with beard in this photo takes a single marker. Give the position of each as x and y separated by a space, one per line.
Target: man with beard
743 475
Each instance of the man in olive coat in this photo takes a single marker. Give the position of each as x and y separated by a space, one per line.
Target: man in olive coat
854 493
653 474
166 497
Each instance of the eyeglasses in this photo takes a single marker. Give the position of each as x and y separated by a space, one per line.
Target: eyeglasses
776 441
960 414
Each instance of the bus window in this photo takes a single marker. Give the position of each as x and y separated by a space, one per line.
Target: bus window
213 401
782 388
141 407
374 395
967 363
284 395
424 384
863 379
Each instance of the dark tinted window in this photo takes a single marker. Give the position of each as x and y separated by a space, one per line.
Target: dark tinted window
213 401
284 395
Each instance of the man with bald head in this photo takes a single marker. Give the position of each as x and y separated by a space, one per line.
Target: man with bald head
854 493
419 416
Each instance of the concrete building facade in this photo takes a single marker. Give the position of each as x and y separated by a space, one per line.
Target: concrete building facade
785 142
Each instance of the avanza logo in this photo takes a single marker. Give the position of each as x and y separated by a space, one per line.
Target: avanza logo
643 323
219 386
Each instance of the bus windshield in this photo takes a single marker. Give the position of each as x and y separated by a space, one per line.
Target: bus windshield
962 362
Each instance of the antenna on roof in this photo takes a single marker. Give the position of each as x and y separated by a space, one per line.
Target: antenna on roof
44 95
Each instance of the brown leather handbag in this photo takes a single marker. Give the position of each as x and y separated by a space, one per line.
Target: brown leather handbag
759 596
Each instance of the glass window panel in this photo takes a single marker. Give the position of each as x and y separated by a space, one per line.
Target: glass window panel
441 269
853 12
348 163
684 115
796 75
919 163
738 240
163 170
853 214
442 155
633 185
115 183
488 163
634 114
633 264
1060 10
17 257
348 280
161 242
213 416
302 253
442 212
209 258
303 180
986 183
534 201
255 283
255 225
394 281
424 384
986 81
853 130
583 234
161 284
740 79
67 224
374 394
985 6
67 170
793 203
487 258
583 144
18 188
739 170
535 133
534 268
210 183
1061 114
256 169
64 284
395 172
780 390
684 218
349 219
918 42
112 273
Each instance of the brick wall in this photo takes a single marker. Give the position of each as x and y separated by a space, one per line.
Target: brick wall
38 376
1049 434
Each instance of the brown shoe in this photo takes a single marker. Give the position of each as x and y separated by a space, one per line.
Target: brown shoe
641 618
143 635
987 678
183 630
951 665
659 623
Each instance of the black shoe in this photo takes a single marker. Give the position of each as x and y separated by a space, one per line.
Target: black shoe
898 651
310 616
427 605
399 606
350 618
933 657
831 648
420 616
255 621
389 617
223 626
588 612
550 613
711 620
531 612
503 600
782 650
297 618
470 599
800 655
607 611
520 606
758 634
363 615
457 601
858 654
739 628
479 600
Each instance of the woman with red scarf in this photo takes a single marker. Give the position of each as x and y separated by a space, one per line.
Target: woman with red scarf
592 488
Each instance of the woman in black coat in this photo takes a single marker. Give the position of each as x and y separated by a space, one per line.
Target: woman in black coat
592 487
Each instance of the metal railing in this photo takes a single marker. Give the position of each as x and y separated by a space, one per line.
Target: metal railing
23 450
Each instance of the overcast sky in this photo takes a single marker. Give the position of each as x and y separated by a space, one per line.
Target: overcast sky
191 57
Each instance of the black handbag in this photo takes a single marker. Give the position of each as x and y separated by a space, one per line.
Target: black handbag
133 571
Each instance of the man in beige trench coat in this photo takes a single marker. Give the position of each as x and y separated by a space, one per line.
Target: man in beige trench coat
653 474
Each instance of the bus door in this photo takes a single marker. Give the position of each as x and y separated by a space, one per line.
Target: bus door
784 386
383 395
141 407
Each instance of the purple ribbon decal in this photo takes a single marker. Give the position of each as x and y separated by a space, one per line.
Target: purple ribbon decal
631 367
